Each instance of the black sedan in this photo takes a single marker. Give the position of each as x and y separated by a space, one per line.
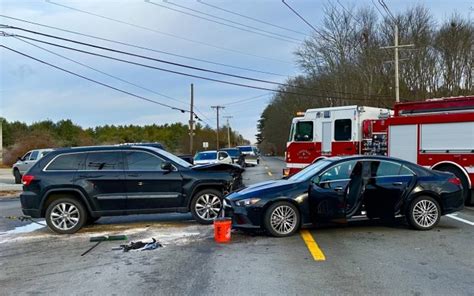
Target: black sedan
337 189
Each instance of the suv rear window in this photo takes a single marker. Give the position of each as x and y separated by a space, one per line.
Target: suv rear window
104 161
67 162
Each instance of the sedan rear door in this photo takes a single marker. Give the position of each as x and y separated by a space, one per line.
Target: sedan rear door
387 186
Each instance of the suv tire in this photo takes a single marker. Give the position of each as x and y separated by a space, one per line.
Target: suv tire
206 205
17 175
66 215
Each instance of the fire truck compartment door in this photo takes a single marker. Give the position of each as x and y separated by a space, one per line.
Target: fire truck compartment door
403 141
326 137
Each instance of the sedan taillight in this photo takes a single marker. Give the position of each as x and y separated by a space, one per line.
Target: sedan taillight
455 181
27 179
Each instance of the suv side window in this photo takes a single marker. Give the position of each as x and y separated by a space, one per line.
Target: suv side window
67 162
222 155
340 171
34 155
142 161
104 161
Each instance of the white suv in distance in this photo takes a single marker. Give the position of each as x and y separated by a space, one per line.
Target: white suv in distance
24 163
206 157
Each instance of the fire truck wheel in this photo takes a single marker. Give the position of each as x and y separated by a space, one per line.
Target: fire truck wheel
458 173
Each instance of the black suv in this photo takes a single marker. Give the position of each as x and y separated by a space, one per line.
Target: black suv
74 186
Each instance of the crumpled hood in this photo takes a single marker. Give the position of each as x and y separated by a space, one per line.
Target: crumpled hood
262 189
218 167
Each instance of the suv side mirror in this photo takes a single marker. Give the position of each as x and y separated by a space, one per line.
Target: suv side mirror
167 166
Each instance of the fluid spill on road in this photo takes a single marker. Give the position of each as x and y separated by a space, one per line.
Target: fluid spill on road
23 229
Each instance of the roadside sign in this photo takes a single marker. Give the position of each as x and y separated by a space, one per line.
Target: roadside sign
205 144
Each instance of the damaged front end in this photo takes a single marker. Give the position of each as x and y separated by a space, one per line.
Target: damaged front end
235 171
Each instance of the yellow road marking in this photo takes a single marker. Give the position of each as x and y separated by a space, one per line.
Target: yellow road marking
270 173
313 247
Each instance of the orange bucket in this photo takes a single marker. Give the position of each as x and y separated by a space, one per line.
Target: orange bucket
222 227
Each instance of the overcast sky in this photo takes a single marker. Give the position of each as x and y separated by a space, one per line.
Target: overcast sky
31 91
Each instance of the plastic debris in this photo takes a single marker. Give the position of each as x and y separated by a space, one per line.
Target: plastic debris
139 245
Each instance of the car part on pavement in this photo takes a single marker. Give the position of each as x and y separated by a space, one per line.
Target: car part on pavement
139 245
206 205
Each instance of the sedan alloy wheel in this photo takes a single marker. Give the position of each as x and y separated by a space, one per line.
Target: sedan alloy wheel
282 219
424 213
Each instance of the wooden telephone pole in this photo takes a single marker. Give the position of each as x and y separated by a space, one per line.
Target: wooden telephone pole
228 130
217 110
191 121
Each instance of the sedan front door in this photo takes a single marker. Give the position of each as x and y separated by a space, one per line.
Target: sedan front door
327 192
386 188
149 187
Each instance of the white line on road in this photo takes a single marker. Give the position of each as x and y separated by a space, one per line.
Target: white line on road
455 217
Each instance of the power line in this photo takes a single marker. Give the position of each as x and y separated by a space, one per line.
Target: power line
246 100
162 61
95 81
166 34
299 15
250 18
142 47
112 76
139 56
266 33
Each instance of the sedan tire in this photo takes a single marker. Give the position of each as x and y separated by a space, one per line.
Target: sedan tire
206 205
282 219
66 215
17 175
424 213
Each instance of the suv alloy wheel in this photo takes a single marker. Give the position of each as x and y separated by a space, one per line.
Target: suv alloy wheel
66 215
206 205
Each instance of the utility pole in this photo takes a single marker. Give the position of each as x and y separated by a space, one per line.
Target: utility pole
228 129
217 110
191 121
396 47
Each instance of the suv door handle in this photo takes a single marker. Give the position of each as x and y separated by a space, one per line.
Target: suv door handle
338 188
397 183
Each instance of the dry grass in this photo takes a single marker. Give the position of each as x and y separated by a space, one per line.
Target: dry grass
10 193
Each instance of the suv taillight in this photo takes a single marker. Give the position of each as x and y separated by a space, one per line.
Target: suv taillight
27 179
455 181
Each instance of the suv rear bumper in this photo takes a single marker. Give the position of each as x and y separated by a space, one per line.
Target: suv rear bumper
30 204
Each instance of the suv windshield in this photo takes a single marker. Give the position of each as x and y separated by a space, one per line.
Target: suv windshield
171 157
206 156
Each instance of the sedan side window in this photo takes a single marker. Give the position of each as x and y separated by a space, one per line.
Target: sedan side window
222 155
142 161
340 171
384 168
26 156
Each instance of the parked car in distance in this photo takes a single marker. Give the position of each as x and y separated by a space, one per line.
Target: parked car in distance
24 163
212 156
74 186
236 155
251 153
337 189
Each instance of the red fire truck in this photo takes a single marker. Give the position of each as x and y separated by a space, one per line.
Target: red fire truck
436 133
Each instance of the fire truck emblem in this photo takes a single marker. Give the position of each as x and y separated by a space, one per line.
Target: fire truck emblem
304 154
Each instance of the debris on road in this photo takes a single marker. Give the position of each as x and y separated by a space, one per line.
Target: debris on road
139 245
104 238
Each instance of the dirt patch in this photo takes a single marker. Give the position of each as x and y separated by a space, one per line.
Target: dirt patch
10 194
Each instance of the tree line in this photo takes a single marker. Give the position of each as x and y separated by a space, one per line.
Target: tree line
343 63
19 137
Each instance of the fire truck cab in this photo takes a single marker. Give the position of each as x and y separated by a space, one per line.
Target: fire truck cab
326 132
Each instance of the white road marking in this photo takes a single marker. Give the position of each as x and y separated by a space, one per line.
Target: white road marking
455 217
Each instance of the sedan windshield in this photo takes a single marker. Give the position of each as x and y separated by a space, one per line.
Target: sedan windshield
310 170
206 156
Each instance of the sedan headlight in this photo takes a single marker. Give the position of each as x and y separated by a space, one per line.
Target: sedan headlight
247 202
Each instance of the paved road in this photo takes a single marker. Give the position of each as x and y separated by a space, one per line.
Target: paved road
361 258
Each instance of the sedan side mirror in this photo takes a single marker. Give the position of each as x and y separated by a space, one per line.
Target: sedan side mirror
20 158
167 166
